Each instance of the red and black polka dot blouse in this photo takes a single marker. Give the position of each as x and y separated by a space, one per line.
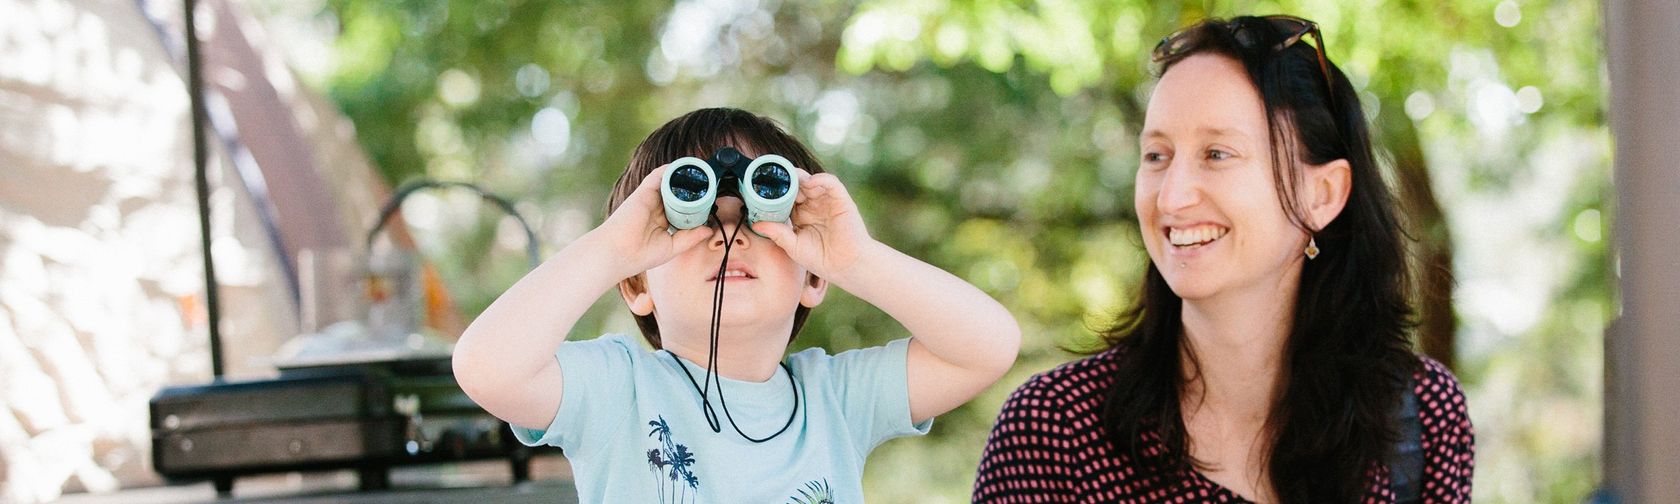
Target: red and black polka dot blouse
1049 446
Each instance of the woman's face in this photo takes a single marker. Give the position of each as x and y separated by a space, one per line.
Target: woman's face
1206 201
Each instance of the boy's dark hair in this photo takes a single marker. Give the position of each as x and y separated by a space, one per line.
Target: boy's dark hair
700 134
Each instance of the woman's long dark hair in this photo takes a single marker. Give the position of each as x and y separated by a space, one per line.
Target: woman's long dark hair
1348 351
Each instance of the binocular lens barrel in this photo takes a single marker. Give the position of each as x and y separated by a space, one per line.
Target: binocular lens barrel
771 181
688 189
769 189
766 186
690 184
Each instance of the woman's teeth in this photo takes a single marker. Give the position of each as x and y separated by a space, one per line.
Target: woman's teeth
735 273
1199 235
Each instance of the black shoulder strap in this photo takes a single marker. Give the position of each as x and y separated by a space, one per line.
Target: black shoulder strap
1406 463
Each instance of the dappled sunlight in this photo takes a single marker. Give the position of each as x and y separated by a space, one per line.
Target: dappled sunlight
101 279
999 141
97 230
995 140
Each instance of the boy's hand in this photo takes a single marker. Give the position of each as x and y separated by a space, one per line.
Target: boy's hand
827 234
637 230
958 346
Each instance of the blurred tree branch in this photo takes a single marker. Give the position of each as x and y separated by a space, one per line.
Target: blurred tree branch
1431 248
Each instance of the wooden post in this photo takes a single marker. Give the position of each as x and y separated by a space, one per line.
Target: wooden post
1642 348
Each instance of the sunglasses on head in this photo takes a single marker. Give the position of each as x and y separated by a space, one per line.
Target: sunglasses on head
1245 30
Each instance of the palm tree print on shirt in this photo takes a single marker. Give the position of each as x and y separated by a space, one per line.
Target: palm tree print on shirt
815 492
670 465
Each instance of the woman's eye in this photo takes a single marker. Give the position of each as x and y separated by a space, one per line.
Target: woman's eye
1154 157
1218 155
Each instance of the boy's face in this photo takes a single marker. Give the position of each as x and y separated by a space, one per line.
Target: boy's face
761 286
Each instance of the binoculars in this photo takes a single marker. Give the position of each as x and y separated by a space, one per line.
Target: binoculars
690 187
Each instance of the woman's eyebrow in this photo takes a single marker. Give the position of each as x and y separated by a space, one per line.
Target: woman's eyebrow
1206 131
1222 132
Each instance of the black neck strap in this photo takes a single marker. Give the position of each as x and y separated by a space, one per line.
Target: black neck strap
711 415
712 360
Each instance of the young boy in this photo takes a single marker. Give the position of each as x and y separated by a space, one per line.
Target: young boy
632 421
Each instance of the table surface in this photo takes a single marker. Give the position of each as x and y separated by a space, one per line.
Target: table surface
488 482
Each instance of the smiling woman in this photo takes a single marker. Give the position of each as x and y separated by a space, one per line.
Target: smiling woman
1205 192
1268 358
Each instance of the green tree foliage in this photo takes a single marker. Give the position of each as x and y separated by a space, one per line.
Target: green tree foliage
997 139
1497 107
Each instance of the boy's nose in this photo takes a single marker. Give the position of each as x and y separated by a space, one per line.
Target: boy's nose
729 210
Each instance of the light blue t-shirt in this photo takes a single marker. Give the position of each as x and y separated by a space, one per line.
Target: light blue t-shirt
632 426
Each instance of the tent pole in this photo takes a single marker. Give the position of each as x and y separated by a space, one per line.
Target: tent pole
195 90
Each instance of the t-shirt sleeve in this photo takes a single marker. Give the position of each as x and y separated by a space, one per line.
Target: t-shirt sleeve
1449 441
596 380
874 392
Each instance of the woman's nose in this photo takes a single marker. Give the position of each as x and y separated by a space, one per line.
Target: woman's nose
1179 188
729 216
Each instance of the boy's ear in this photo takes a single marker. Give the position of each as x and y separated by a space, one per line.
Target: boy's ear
1329 186
634 290
815 290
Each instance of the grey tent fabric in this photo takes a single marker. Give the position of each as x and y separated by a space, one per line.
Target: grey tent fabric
101 286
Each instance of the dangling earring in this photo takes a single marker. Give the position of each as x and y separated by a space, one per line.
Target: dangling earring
1312 248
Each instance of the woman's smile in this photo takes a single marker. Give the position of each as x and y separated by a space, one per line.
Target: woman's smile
1189 242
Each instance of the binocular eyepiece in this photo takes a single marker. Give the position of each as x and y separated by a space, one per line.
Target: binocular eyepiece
691 186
